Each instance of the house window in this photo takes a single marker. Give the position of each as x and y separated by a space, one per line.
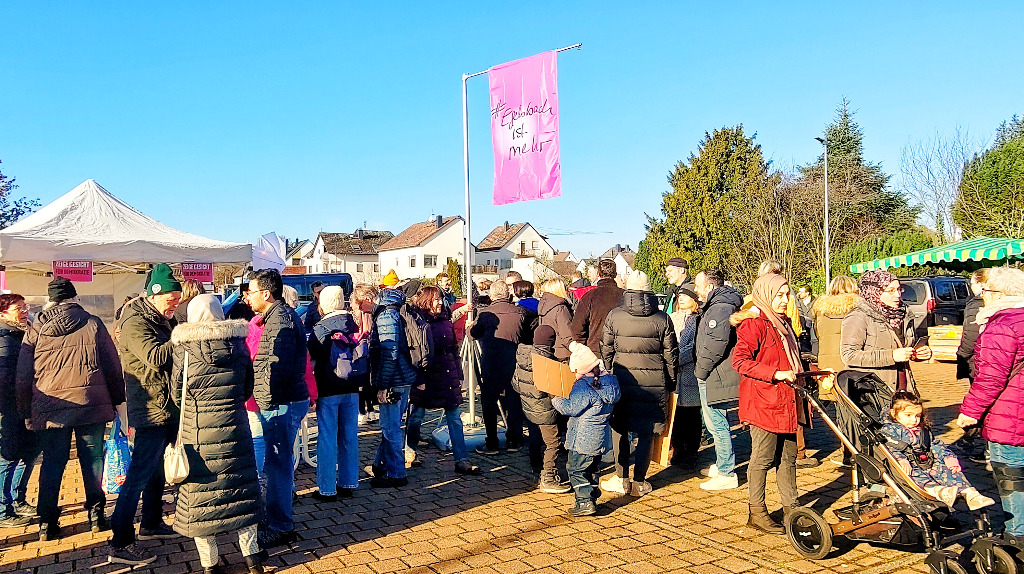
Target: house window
296 261
536 245
412 261
505 264
359 267
522 248
376 267
488 261
430 261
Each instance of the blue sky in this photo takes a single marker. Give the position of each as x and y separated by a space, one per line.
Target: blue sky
233 119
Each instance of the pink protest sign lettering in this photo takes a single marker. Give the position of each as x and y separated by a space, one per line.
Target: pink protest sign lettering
77 271
524 129
202 272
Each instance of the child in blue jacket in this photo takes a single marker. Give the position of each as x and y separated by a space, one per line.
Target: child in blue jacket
588 407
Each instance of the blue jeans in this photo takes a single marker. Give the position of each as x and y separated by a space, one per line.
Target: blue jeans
14 474
1013 502
258 444
582 470
453 416
717 423
391 452
145 479
337 443
279 429
56 447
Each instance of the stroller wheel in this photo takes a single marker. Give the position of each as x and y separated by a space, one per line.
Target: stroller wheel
809 533
1002 562
954 567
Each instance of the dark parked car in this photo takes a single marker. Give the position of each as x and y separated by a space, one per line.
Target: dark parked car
936 300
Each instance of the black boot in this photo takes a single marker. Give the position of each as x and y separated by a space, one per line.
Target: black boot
760 520
48 532
254 563
98 520
215 569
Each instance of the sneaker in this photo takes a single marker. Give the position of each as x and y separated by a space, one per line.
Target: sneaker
361 420
721 482
583 508
132 555
807 462
486 450
161 531
467 468
841 461
513 447
388 482
640 489
976 500
706 441
980 456
374 471
554 486
345 492
49 532
710 472
14 521
270 539
317 495
616 484
372 417
24 509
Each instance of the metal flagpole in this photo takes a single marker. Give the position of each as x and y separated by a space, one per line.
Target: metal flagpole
467 287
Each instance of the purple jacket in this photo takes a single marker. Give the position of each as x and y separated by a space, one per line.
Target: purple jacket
993 399
443 376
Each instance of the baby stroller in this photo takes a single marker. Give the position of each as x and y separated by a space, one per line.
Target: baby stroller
907 516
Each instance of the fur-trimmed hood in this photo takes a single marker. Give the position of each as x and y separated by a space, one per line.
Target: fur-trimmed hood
210 331
742 315
835 306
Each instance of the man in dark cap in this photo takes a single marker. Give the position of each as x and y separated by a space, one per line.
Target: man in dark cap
145 346
677 271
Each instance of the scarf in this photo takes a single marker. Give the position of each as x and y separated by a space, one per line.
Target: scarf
871 285
765 289
987 311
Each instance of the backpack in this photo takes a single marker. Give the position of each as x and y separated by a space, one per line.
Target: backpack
417 335
347 358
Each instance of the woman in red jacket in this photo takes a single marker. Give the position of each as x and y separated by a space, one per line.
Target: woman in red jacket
767 357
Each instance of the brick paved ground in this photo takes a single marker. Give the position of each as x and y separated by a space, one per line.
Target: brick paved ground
500 523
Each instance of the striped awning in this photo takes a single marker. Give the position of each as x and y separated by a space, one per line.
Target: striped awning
977 249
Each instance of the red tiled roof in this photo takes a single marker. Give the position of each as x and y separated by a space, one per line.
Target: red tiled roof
500 236
563 268
352 244
562 255
417 234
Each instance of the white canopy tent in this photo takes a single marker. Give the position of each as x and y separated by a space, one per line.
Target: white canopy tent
89 224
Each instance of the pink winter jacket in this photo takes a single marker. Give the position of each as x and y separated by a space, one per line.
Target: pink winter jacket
994 399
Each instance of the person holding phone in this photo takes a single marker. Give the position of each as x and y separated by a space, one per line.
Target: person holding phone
877 335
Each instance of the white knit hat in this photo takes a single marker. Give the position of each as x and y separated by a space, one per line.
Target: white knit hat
332 298
582 360
637 281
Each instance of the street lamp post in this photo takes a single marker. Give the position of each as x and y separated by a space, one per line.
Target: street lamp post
828 262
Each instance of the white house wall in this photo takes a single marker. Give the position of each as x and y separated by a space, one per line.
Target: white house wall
445 245
512 248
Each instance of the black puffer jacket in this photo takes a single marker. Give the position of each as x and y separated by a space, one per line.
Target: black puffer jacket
554 311
536 403
11 424
68 371
716 339
639 346
221 492
145 345
280 363
501 327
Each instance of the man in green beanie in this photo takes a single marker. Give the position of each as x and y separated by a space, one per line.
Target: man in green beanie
145 347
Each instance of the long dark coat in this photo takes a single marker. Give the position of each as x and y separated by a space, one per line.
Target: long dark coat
443 375
221 492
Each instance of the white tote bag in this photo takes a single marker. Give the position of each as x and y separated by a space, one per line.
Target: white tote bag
175 459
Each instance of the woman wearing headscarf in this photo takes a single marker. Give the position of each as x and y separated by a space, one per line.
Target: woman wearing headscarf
877 335
220 494
688 429
767 358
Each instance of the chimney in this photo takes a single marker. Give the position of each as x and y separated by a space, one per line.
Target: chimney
438 221
618 248
359 233
506 226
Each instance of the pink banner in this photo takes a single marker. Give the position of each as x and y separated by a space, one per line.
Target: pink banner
77 271
524 129
202 272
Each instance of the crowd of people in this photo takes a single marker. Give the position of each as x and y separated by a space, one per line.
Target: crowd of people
233 391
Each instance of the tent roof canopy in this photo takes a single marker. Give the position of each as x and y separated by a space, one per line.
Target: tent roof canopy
88 223
977 249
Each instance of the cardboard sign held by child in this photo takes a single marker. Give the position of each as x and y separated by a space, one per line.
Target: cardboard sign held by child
552 377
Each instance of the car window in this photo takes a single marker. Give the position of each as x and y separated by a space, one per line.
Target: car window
944 290
961 290
914 293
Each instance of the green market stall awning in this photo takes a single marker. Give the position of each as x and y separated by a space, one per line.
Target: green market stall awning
977 249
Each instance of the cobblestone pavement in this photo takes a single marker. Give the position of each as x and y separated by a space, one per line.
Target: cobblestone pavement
499 522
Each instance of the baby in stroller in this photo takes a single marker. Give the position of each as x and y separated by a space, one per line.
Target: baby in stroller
928 462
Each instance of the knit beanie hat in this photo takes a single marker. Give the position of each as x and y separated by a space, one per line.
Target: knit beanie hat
161 280
677 262
637 281
332 298
390 280
582 360
61 289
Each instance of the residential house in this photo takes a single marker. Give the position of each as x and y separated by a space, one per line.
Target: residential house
424 249
506 242
354 253
300 257
623 257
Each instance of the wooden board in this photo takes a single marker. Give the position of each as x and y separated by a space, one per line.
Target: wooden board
552 377
660 450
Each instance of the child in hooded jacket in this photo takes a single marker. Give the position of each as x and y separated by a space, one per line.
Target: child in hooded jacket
588 407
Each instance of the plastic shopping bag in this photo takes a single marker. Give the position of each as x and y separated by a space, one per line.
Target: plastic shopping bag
116 458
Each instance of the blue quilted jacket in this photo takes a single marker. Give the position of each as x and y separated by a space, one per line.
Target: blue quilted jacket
588 407
390 365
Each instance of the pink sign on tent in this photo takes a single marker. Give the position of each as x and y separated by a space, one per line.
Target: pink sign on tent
524 129
77 271
202 272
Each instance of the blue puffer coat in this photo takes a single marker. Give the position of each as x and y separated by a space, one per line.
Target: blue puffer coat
390 365
589 407
12 426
